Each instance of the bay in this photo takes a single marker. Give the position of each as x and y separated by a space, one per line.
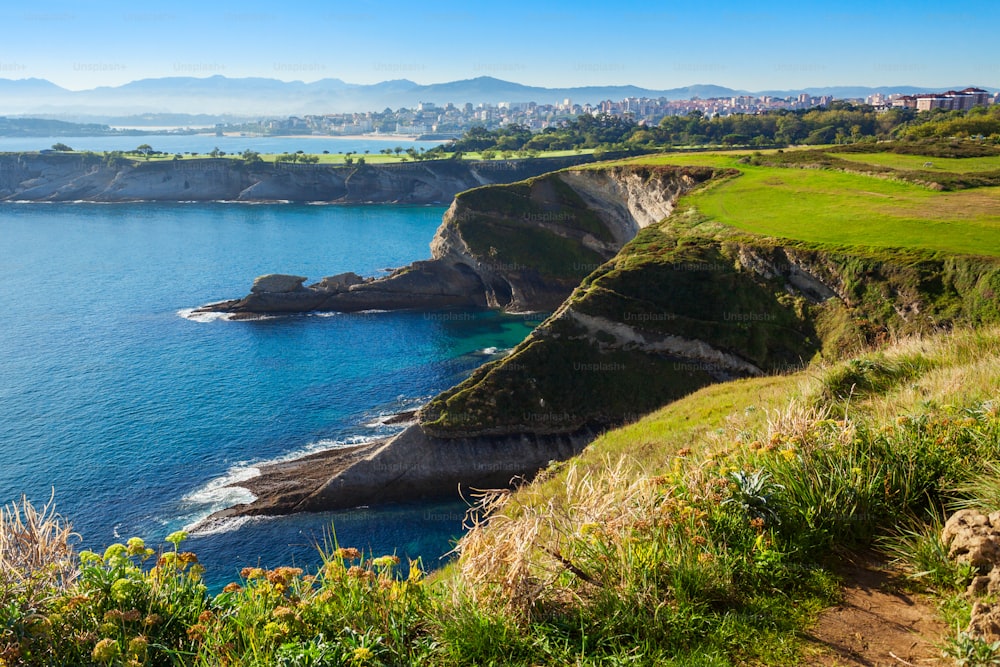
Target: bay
136 415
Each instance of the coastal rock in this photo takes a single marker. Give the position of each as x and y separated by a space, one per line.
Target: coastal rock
277 283
339 282
985 621
92 177
973 537
407 467
988 584
518 247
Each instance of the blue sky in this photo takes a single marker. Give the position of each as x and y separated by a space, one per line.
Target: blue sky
787 44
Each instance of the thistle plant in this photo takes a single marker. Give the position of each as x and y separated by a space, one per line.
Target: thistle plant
754 493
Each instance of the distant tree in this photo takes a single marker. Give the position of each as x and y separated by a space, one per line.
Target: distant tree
397 150
361 160
62 147
216 152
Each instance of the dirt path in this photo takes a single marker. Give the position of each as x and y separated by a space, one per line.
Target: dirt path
877 625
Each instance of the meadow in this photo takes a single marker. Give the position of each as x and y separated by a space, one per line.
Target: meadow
833 207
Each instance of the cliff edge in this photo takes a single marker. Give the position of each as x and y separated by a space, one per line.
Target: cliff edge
517 247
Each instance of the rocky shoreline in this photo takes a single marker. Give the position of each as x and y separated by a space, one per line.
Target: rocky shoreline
407 467
520 247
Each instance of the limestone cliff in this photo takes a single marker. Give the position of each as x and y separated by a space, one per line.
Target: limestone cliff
91 177
516 247
686 304
665 302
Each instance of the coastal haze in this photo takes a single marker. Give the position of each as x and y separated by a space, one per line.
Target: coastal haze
220 96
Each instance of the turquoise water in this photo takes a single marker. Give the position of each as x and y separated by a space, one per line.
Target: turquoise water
136 415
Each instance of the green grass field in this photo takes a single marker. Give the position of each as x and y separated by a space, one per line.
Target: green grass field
837 208
848 209
918 162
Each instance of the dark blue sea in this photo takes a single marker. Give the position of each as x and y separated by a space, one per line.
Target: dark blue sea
135 415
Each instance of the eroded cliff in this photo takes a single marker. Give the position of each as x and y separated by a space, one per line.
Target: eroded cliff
516 247
685 303
92 177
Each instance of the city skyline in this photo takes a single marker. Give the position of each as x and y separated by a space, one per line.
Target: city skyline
778 47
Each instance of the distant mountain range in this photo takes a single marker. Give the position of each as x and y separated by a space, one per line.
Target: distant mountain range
218 95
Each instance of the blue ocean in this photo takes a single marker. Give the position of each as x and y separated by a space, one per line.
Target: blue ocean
136 415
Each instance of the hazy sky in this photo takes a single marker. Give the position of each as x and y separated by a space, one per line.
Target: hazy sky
786 44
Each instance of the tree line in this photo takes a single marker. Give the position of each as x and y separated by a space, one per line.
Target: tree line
838 123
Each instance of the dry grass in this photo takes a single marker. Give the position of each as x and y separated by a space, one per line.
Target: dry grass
525 557
36 551
520 552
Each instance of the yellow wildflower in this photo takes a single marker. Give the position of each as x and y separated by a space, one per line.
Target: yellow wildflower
135 546
116 550
349 553
177 537
361 654
105 650
137 646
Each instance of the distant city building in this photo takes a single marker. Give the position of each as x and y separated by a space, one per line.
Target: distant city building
426 118
961 100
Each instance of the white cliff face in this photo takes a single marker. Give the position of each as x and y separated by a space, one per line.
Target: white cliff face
628 199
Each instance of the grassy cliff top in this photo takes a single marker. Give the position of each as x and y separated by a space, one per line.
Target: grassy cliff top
708 506
879 199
